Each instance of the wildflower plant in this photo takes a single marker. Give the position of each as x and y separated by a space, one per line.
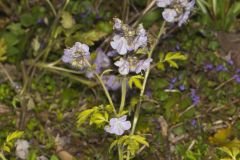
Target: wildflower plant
128 64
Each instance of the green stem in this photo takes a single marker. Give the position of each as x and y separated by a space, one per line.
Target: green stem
124 91
137 112
120 155
52 8
103 86
62 71
2 156
106 92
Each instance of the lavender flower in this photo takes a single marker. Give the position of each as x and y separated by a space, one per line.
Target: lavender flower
208 66
182 87
176 10
117 24
220 68
143 65
120 44
140 40
230 62
112 82
118 125
237 78
101 62
172 82
238 70
127 39
194 122
132 64
22 149
195 97
123 66
163 3
77 55
169 15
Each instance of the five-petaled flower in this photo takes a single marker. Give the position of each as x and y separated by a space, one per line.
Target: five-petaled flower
118 125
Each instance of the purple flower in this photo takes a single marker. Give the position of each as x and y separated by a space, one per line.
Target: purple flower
132 64
163 3
194 122
124 66
149 92
195 97
112 82
173 80
143 65
171 86
182 87
112 53
118 125
237 78
176 10
208 66
101 62
220 68
230 62
140 40
120 44
77 55
128 39
169 15
117 24
238 70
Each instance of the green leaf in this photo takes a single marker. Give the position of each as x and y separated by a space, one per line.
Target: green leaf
136 81
82 117
67 20
88 38
175 56
35 44
113 144
160 66
98 118
172 64
6 148
14 135
140 139
54 157
171 57
3 49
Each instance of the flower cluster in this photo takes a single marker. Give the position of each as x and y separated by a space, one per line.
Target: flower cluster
77 56
132 64
118 125
124 42
176 10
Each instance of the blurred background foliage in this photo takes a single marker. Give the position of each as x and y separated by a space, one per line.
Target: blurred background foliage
33 34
